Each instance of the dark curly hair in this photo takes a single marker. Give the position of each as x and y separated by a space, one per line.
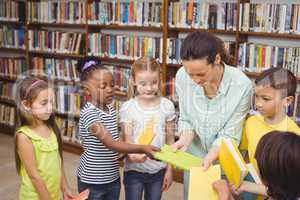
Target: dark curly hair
278 159
93 63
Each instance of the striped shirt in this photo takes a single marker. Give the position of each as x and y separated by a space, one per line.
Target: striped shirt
98 164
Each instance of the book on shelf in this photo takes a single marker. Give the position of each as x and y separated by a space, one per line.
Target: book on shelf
178 159
56 41
174 46
12 37
124 46
7 114
69 12
202 14
258 57
200 183
60 69
68 99
129 13
232 162
6 90
12 67
270 17
121 76
68 129
12 11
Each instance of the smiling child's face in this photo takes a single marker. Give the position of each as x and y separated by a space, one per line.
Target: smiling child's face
101 86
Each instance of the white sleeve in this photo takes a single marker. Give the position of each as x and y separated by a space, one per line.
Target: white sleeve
125 115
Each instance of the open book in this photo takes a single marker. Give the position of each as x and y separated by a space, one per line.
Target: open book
200 185
232 162
179 159
83 195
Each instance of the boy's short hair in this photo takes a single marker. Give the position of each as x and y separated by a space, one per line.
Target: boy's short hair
279 79
199 45
278 159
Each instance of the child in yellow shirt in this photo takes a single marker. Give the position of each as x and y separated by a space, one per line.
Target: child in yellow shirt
274 92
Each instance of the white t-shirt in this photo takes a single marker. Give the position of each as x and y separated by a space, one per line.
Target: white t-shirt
132 112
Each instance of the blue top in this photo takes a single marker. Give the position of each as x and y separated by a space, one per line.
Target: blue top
219 117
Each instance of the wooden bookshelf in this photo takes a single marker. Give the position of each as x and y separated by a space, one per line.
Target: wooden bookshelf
217 31
12 50
55 54
14 23
271 35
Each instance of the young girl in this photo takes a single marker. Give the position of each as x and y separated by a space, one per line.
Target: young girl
98 129
147 110
38 143
278 159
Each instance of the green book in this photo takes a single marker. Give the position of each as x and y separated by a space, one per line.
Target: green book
178 159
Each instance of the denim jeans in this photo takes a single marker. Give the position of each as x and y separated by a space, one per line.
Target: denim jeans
136 183
108 191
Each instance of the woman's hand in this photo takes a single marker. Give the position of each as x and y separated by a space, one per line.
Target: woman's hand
184 141
212 155
67 194
168 179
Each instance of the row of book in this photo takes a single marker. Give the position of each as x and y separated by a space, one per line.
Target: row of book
55 41
131 12
57 12
174 46
68 129
125 46
12 11
6 90
257 57
7 114
12 67
68 99
60 69
11 37
202 14
270 17
121 77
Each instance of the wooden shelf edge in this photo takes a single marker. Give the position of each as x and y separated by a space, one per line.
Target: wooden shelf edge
7 129
54 24
272 35
8 22
72 147
7 101
65 115
12 50
120 93
227 32
55 54
126 27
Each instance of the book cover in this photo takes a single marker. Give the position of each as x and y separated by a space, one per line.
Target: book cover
232 162
200 183
179 159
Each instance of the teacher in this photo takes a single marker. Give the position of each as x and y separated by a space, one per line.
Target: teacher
214 98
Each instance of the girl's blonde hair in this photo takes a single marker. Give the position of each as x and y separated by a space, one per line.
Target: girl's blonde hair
142 64
28 89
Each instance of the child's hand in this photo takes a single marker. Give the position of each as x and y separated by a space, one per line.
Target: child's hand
67 194
222 188
137 158
168 179
150 150
242 188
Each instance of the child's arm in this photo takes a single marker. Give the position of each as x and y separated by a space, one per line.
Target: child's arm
127 134
67 195
250 187
222 188
168 179
26 153
105 137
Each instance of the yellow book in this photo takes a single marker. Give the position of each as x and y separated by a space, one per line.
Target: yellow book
200 185
146 137
232 162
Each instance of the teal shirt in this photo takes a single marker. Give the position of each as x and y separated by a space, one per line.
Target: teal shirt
213 119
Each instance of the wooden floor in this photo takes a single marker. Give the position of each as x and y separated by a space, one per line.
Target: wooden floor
9 181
